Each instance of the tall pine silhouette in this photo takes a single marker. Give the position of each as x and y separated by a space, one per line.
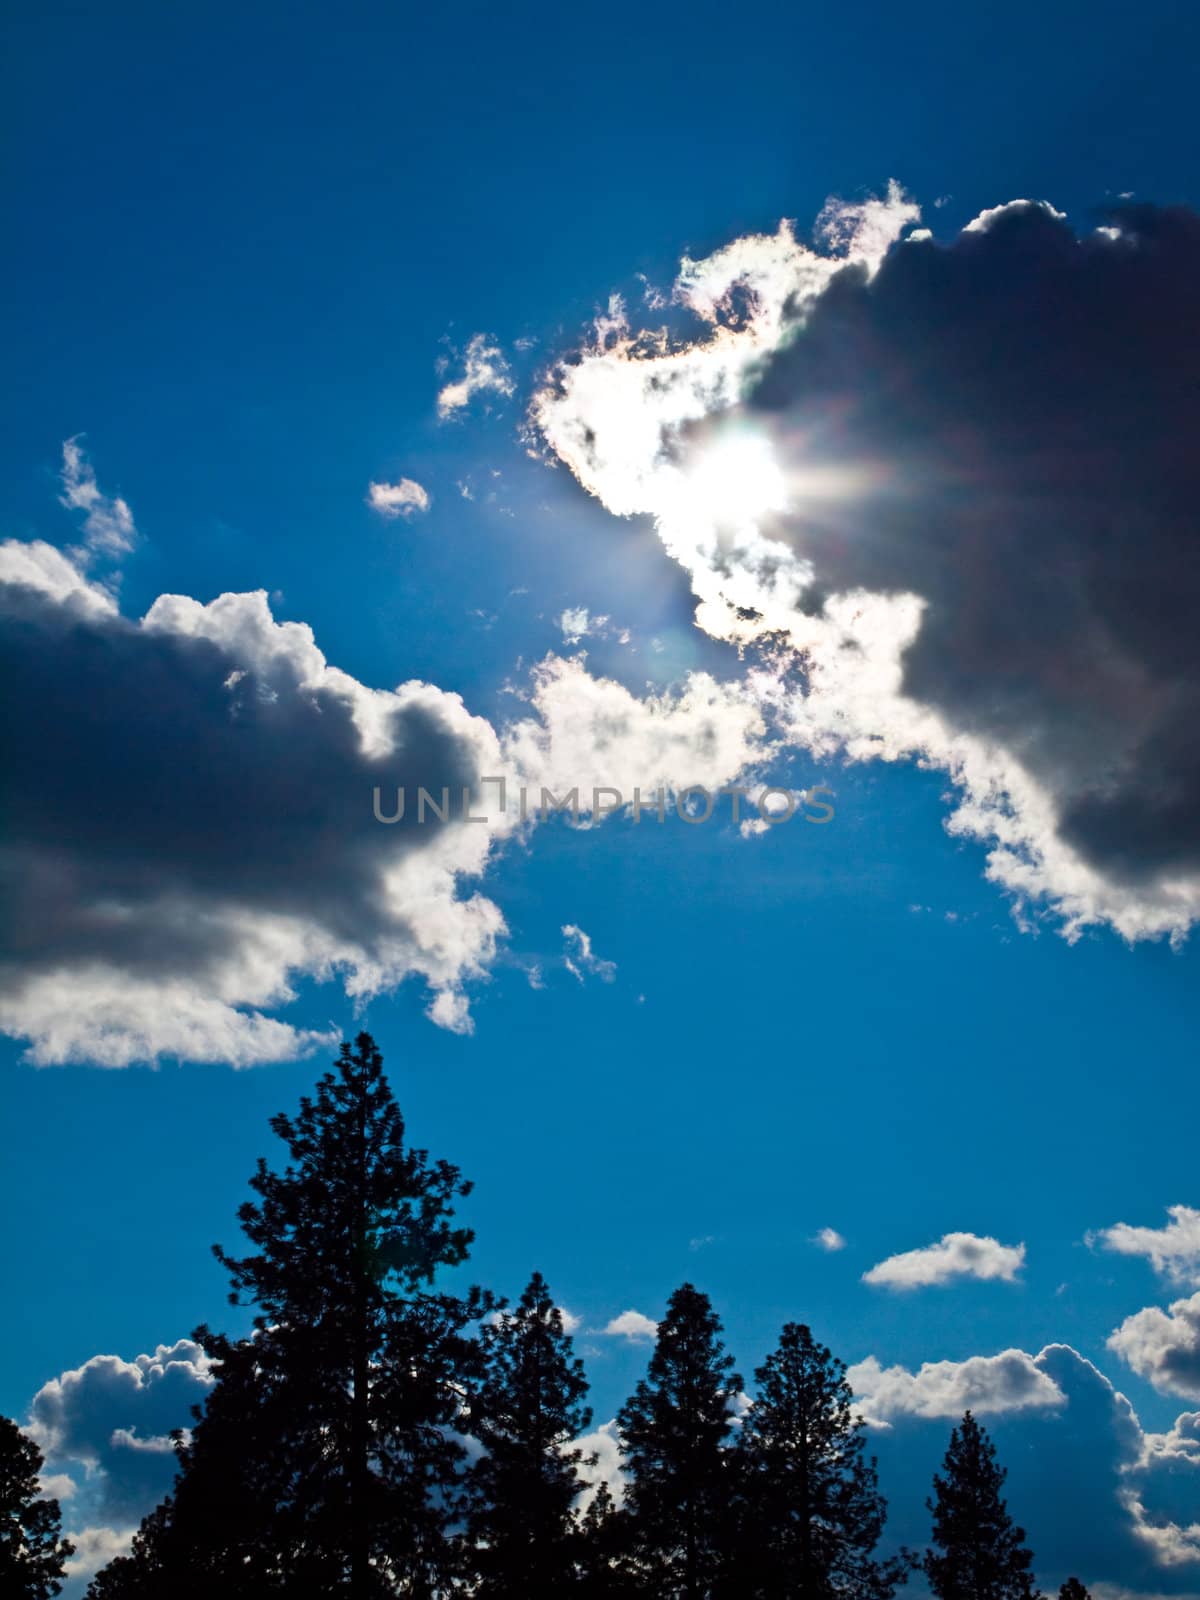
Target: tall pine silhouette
326 1460
981 1553
673 1431
526 1410
32 1553
811 1511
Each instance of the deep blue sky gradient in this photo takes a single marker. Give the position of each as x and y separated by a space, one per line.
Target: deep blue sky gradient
240 238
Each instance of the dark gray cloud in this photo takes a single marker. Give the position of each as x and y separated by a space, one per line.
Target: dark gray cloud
151 771
189 822
1097 1496
1019 410
115 1416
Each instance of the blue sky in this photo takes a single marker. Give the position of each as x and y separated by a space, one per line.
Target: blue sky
250 250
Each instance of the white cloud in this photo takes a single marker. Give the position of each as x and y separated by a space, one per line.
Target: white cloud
400 499
605 1445
484 369
1010 1381
574 623
632 1325
56 1485
989 218
46 571
828 1239
593 733
956 1255
95 1547
108 527
1173 1251
578 623
581 958
1163 1346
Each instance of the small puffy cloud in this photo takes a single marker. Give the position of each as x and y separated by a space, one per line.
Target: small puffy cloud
108 528
1010 1381
956 1255
577 623
401 499
828 1239
1163 1346
115 1417
1173 1251
581 958
484 370
574 623
632 1325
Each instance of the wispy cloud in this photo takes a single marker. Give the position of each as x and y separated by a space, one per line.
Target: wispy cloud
485 369
577 623
108 526
581 958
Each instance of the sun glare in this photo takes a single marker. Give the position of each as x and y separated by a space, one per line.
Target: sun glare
737 478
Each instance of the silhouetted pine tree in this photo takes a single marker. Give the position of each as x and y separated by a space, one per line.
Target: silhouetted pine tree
603 1570
325 1461
1073 1590
32 1553
672 1432
525 1412
811 1511
142 1574
982 1553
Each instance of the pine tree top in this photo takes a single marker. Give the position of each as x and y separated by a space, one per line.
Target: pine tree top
352 1200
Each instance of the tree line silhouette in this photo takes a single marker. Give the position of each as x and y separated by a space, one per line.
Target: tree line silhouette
376 1435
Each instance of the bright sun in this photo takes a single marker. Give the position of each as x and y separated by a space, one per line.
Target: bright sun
737 479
